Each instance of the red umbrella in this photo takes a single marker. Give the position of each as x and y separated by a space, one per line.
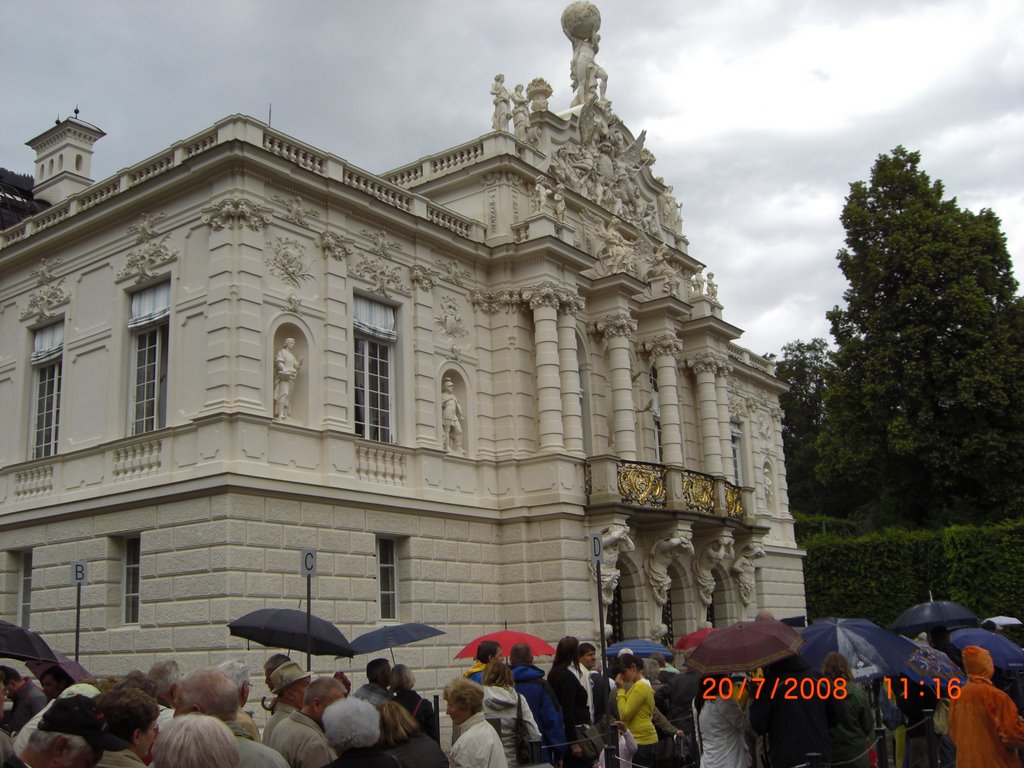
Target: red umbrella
506 639
693 639
745 645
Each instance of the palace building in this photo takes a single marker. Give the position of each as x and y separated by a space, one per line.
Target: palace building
440 378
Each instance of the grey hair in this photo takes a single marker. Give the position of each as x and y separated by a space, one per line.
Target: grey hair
321 688
195 741
351 723
402 678
166 675
42 741
275 661
236 670
651 669
209 691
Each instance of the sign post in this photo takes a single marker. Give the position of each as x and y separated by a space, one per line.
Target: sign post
308 569
611 746
79 576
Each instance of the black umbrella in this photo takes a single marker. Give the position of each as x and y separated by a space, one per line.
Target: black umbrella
871 651
286 628
392 635
23 644
935 613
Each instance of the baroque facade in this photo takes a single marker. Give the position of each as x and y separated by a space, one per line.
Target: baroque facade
440 378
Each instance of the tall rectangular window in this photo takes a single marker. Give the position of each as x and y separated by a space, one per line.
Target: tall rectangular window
25 589
655 413
150 311
387 580
132 579
47 354
375 336
737 452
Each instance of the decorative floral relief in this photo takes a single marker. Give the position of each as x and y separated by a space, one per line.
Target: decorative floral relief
143 261
232 212
381 275
423 277
336 246
288 261
295 212
448 321
146 228
452 273
42 303
293 304
380 245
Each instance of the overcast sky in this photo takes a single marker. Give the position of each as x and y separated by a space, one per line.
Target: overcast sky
760 112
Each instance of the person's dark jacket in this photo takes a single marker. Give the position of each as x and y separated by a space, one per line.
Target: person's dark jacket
27 703
573 700
419 752
601 687
541 697
919 698
675 699
422 712
795 726
365 757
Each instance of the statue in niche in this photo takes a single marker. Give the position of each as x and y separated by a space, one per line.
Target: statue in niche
769 484
286 369
451 418
744 569
520 112
502 104
712 556
662 553
615 540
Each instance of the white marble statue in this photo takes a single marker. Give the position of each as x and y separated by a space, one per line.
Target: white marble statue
520 112
713 556
538 195
662 553
558 198
286 369
663 269
615 540
712 290
697 283
451 417
618 254
581 21
744 569
502 104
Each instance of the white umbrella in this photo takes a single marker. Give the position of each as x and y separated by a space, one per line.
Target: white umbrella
1005 621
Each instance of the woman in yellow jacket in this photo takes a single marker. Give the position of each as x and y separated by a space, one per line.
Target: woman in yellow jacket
636 706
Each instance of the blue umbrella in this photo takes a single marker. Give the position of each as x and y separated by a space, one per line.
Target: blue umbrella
926 663
871 651
640 648
935 613
1006 654
392 635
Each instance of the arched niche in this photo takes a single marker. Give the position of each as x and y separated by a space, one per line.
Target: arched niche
453 412
297 390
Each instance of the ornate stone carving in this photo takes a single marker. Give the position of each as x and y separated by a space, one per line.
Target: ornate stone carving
615 540
423 277
712 557
286 370
708 362
380 245
293 303
580 23
335 245
538 195
287 261
51 294
538 91
542 295
502 105
665 344
232 212
451 418
712 289
449 322
558 199
665 270
492 302
452 273
744 569
618 253
670 211
294 210
662 554
613 325
151 254
520 113
384 277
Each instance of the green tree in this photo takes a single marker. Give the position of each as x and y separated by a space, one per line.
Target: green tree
804 366
924 401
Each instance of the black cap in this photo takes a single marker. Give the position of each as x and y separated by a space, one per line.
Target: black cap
79 716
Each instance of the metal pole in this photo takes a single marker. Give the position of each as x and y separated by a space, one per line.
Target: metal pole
309 621
929 733
78 616
881 740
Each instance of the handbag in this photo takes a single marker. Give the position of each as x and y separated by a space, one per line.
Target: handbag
590 740
520 736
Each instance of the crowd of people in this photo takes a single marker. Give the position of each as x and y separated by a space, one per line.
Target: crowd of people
504 713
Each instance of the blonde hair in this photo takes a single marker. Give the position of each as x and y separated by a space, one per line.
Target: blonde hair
396 725
465 693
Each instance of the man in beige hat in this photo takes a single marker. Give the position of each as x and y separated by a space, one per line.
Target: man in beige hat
288 682
300 737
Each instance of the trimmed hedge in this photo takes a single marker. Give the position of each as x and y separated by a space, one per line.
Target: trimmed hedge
879 575
806 526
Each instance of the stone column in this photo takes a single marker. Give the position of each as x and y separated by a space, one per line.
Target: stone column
665 350
572 417
544 302
618 332
722 389
706 365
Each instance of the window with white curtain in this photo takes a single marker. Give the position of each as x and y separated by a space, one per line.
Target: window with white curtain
375 336
151 310
47 364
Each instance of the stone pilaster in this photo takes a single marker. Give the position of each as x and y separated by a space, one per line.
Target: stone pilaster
722 391
572 416
618 331
665 350
706 365
544 301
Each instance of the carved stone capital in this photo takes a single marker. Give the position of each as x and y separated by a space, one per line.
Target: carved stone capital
610 326
542 295
492 302
666 344
708 362
237 212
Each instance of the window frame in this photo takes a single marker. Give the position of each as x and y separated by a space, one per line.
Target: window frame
736 441
25 588
149 324
374 350
47 385
387 571
131 587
